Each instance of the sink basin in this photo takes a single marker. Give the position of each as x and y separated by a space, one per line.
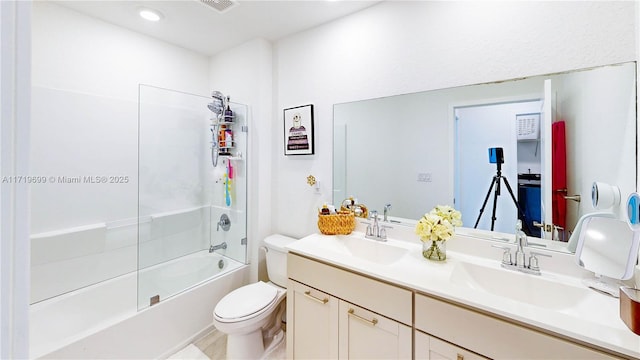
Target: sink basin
379 252
530 289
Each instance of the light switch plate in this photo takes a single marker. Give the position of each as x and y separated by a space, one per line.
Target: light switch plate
424 177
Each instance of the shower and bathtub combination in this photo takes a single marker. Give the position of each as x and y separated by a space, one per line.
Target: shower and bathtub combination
127 242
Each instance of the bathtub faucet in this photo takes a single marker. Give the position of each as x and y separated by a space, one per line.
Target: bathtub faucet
222 246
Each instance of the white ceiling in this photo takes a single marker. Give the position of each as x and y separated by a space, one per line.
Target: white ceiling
198 27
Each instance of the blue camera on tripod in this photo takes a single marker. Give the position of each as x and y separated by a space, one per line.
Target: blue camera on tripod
496 155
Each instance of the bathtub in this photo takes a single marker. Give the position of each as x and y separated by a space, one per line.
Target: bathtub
103 320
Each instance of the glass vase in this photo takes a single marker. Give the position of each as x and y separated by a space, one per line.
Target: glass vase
434 250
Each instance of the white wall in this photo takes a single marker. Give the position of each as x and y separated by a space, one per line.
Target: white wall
400 47
104 63
590 130
76 52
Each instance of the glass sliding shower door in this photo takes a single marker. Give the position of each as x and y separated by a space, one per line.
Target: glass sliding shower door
179 195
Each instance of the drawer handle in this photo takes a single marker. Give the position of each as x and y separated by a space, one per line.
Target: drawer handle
321 301
460 357
372 322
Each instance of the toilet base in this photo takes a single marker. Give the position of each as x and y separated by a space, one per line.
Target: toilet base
256 336
252 346
259 343
245 346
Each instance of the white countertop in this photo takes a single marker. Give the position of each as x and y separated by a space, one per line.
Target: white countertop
593 319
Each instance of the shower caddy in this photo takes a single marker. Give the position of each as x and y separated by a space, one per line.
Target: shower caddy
223 130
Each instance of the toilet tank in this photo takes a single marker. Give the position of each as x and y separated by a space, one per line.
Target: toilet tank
277 258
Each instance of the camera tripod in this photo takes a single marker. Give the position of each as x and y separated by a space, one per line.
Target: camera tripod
496 181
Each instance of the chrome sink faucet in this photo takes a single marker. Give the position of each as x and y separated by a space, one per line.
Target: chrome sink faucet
520 263
521 243
387 209
376 231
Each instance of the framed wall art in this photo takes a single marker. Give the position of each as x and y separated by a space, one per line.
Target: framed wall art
298 130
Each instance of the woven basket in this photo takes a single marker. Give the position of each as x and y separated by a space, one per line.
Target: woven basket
341 223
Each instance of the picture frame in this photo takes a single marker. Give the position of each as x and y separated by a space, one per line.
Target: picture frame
299 130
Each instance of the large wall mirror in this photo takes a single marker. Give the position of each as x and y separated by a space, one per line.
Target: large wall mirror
559 133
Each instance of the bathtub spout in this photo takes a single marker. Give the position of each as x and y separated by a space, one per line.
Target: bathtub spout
222 246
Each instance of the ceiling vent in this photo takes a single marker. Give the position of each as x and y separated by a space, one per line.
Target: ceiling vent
220 5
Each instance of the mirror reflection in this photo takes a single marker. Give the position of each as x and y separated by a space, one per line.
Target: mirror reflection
607 246
418 150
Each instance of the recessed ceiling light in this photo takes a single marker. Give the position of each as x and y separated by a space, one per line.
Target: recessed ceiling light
150 14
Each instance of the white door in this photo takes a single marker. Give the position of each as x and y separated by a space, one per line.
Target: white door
548 113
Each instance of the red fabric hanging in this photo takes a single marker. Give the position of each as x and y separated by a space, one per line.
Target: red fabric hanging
559 173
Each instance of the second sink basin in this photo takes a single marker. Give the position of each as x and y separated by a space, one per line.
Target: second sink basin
530 289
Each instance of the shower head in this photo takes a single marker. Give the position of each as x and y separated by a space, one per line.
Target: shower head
217 106
217 95
213 108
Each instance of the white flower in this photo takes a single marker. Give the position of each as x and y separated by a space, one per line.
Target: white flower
438 224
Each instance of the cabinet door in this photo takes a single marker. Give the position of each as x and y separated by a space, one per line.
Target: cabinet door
491 337
314 327
430 348
367 335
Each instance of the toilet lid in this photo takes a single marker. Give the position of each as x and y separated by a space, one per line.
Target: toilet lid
245 301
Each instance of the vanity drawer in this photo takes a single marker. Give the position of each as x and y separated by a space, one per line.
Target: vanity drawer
492 337
429 347
377 296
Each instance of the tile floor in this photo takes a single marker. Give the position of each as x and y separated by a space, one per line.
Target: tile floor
213 346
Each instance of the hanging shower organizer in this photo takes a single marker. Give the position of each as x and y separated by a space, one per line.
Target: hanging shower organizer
223 130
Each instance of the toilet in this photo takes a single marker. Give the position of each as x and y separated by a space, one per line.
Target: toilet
251 315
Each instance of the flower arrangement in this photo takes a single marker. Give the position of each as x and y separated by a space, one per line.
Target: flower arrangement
437 226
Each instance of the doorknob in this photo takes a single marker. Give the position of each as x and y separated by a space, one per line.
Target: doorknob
542 226
575 198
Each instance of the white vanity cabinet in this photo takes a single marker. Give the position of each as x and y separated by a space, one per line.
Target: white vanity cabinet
335 314
490 336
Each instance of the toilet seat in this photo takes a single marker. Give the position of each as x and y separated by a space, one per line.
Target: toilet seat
246 302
